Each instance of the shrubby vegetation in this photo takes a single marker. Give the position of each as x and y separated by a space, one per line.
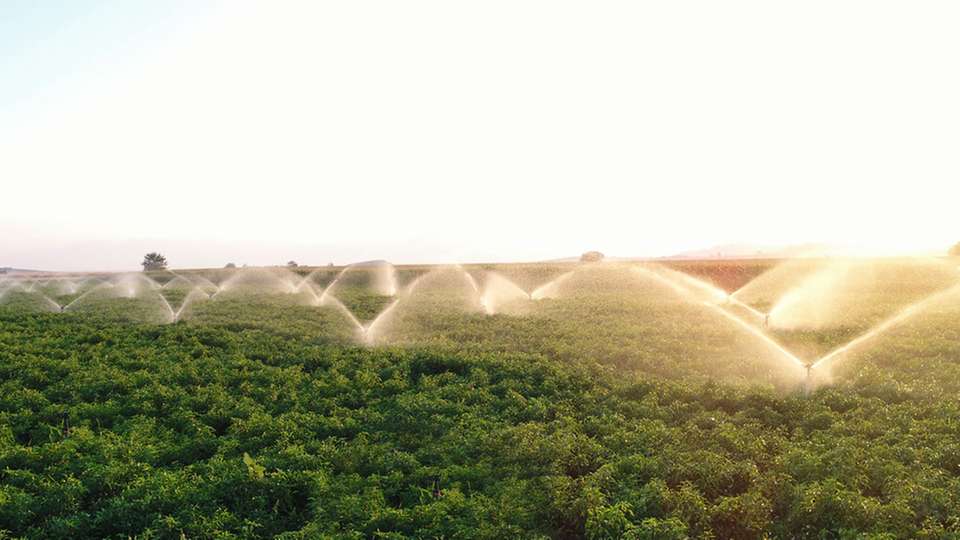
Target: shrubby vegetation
153 261
611 412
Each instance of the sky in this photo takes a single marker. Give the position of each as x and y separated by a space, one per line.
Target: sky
262 132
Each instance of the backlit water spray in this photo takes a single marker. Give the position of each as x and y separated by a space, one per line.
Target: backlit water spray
370 330
551 289
695 296
907 313
809 304
499 291
713 293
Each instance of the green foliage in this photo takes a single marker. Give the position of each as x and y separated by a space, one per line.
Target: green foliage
153 261
363 303
598 417
254 469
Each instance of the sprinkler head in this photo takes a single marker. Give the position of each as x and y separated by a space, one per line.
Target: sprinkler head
807 381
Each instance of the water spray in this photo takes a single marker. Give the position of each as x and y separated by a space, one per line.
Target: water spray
808 380
689 288
905 314
687 294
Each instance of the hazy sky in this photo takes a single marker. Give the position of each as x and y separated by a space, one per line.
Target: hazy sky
441 131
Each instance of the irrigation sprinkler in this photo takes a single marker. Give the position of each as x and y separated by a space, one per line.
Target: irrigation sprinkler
808 381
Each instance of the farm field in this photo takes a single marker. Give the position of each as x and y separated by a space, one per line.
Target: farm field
807 398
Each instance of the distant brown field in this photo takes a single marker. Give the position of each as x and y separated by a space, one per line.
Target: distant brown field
728 274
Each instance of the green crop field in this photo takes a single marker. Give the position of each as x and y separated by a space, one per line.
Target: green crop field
811 398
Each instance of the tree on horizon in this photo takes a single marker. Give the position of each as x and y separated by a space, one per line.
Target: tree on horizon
955 250
153 261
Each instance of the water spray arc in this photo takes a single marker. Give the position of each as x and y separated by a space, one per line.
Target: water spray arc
688 290
717 295
102 286
33 293
195 294
825 277
499 290
367 332
333 301
469 277
328 288
382 277
489 293
879 330
550 289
